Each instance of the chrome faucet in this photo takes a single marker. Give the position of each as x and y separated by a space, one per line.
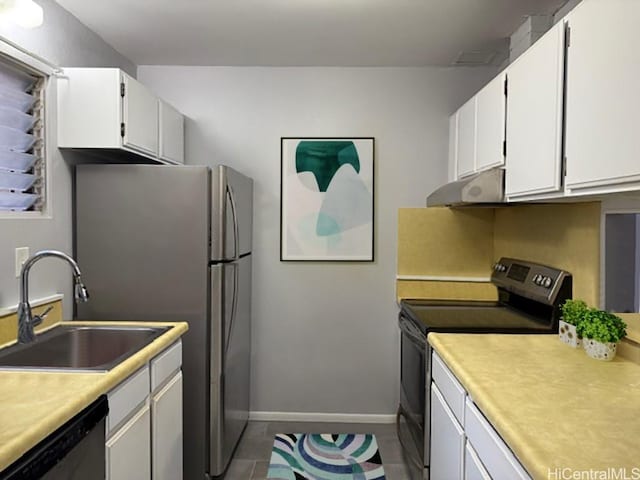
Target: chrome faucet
26 320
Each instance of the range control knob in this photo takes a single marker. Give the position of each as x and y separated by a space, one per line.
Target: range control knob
547 282
536 279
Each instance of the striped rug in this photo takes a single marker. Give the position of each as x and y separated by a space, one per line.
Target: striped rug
307 456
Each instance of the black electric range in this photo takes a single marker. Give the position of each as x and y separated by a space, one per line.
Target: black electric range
529 299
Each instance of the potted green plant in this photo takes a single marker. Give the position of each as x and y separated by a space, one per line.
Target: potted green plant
601 332
573 311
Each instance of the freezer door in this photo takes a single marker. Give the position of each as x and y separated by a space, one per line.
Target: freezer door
141 238
230 359
231 214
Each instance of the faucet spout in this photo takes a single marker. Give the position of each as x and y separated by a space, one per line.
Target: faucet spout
26 320
80 291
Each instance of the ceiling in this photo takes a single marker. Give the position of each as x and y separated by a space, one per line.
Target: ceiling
304 32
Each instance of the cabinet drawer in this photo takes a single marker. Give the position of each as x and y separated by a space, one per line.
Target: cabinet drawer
165 365
496 457
453 393
126 397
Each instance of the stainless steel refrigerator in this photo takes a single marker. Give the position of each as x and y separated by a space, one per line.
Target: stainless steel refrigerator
173 243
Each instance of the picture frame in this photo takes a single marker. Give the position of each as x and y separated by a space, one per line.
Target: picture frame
327 199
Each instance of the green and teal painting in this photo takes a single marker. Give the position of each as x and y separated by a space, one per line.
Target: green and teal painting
327 199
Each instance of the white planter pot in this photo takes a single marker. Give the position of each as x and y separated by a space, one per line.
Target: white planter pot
568 334
599 350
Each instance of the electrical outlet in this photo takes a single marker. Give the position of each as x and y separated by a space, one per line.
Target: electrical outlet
22 254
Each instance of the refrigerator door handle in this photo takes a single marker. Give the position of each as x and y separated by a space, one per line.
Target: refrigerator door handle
236 236
234 309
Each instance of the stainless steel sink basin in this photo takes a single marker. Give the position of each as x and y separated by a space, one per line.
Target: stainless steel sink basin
70 347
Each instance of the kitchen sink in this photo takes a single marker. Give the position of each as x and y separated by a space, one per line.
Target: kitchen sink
70 347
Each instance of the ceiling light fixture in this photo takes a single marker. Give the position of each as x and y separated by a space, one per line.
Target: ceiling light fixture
25 13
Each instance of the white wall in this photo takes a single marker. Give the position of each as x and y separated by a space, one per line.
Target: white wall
64 41
325 337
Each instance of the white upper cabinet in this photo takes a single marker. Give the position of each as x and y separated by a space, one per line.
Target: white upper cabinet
490 124
466 139
603 97
171 133
453 148
534 118
476 131
140 117
111 113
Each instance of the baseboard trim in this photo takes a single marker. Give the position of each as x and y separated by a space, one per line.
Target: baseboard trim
321 417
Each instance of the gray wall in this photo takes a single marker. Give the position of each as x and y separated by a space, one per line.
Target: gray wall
64 41
325 336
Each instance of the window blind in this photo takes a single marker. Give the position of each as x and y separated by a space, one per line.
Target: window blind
21 139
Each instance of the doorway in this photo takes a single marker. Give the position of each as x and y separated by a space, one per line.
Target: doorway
622 262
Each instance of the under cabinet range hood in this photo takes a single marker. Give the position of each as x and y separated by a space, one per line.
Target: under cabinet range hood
482 188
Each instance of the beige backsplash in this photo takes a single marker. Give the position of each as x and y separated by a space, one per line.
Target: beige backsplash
566 236
443 241
450 290
9 323
464 242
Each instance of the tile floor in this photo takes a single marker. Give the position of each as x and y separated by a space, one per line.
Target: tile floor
251 458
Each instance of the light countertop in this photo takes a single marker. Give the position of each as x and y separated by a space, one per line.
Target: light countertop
35 404
554 406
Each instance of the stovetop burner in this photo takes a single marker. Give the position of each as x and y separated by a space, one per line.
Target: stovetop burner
472 317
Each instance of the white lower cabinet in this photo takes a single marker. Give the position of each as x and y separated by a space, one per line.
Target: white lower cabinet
128 452
473 468
144 425
465 445
447 452
494 454
166 430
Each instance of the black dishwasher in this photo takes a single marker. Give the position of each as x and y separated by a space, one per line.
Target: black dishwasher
75 451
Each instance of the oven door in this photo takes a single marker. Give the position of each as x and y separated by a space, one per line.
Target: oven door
413 380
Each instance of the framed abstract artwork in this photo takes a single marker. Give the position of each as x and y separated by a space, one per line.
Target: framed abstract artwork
327 199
